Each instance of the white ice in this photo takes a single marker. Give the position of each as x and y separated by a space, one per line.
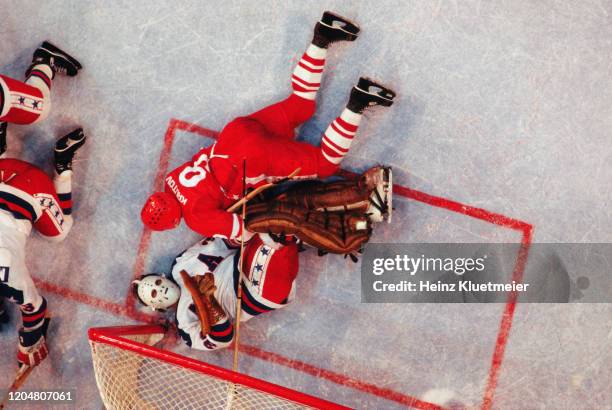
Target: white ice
502 105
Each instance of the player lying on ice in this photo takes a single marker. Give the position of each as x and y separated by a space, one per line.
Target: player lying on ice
201 190
28 196
334 217
30 102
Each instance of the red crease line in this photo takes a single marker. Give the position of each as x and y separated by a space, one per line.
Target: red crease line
506 322
338 378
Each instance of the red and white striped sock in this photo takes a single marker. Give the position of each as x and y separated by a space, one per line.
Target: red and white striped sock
40 76
306 78
339 136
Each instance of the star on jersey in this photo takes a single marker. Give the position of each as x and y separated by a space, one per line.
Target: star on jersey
265 250
258 267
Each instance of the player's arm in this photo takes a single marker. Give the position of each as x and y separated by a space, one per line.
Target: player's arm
214 222
219 331
220 336
56 219
52 224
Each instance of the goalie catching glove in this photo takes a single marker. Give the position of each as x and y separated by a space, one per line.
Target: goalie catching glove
202 289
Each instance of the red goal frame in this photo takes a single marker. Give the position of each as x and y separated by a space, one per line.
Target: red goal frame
115 336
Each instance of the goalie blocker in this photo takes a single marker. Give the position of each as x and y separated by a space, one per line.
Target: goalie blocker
333 217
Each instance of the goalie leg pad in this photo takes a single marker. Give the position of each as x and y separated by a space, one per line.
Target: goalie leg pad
371 194
339 233
337 196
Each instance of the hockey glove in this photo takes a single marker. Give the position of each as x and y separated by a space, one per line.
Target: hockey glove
33 348
202 289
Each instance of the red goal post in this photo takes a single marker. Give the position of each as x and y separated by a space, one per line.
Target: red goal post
132 374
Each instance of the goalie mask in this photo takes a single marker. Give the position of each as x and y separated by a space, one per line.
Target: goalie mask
157 291
161 211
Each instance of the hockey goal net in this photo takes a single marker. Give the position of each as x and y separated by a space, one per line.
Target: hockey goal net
132 374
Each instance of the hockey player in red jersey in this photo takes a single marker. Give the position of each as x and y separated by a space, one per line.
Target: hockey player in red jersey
204 280
30 101
30 198
268 284
200 190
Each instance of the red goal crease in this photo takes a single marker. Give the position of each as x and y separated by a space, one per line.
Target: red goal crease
127 309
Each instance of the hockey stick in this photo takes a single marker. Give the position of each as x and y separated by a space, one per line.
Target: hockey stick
20 378
240 267
246 198
232 390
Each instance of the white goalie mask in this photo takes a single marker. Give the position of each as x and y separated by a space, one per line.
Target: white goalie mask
157 291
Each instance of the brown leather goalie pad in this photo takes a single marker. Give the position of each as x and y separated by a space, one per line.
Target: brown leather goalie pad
333 197
334 232
202 289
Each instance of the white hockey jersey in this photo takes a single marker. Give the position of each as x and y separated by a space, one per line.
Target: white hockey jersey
267 285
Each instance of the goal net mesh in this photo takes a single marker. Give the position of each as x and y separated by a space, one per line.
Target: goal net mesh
129 376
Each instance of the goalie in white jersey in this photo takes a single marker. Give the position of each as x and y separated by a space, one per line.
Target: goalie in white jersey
268 284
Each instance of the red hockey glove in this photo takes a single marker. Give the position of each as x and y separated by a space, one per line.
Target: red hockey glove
33 348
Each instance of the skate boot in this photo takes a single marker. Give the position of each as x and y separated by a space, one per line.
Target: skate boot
59 61
368 93
65 149
380 180
332 28
3 127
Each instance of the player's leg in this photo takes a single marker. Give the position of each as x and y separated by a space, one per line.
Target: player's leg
276 158
33 331
282 118
28 102
306 78
25 103
338 136
16 284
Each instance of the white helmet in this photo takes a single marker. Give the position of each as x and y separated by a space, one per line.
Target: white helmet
157 291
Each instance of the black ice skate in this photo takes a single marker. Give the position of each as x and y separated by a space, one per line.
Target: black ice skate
3 127
65 148
368 93
59 61
332 28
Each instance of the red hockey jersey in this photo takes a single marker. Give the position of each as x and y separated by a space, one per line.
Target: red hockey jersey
203 200
29 195
212 180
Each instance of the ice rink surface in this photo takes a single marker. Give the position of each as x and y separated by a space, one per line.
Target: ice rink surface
503 106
